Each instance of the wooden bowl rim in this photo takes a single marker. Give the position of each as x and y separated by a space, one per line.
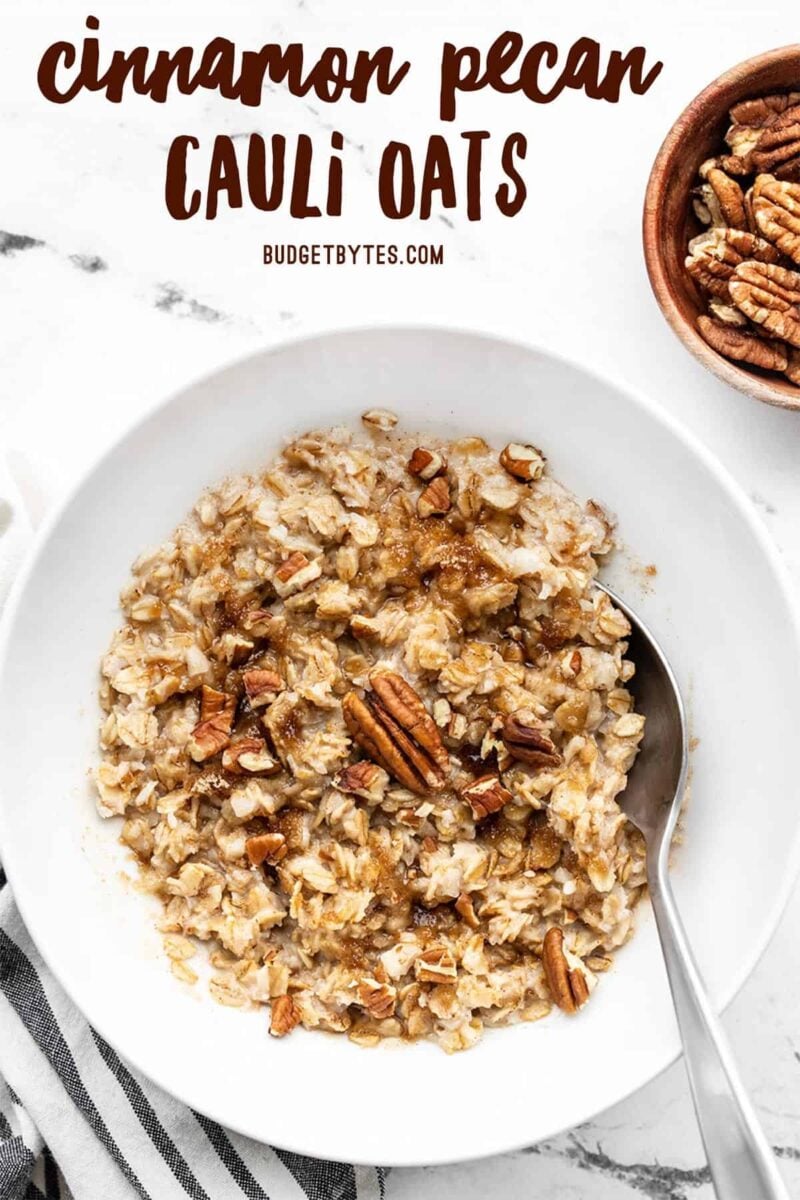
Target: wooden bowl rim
738 377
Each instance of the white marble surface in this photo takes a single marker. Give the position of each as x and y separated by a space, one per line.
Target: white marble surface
106 304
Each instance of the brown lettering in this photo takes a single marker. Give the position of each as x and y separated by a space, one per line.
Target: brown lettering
334 205
437 176
264 199
394 154
175 183
223 176
474 139
509 204
299 206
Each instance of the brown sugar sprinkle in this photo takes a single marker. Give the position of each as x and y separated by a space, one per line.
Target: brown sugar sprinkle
382 819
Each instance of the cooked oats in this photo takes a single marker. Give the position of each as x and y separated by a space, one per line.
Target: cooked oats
368 748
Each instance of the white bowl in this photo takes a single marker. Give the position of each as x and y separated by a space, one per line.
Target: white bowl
720 602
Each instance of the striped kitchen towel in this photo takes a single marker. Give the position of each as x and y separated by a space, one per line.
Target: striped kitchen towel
75 1121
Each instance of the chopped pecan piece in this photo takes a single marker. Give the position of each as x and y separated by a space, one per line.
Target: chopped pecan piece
213 731
261 686
776 207
394 728
377 998
742 345
466 910
435 965
522 461
364 779
266 848
295 573
426 464
572 664
485 796
285 1015
719 200
566 975
528 742
249 755
435 500
257 622
770 296
235 648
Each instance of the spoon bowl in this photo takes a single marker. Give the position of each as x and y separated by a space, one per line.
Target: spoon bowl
657 783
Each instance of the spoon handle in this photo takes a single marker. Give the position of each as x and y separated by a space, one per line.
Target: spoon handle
740 1159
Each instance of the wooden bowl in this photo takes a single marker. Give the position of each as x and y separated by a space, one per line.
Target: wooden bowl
669 222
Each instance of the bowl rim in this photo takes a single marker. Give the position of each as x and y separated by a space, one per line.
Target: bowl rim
723 478
748 382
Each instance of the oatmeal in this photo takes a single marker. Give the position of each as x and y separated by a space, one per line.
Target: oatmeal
366 725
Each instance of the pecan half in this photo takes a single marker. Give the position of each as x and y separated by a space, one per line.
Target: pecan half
485 796
377 998
522 461
776 207
719 200
761 109
793 367
426 464
295 573
435 500
778 147
435 965
528 742
261 686
566 975
770 296
714 256
266 848
394 728
752 224
742 345
284 1016
364 779
753 121
249 755
213 731
403 703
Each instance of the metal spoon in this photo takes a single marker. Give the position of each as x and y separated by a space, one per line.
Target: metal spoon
741 1162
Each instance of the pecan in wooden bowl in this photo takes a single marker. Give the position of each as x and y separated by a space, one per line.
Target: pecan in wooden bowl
722 227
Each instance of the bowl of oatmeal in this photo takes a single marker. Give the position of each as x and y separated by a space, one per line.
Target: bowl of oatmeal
336 725
366 724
